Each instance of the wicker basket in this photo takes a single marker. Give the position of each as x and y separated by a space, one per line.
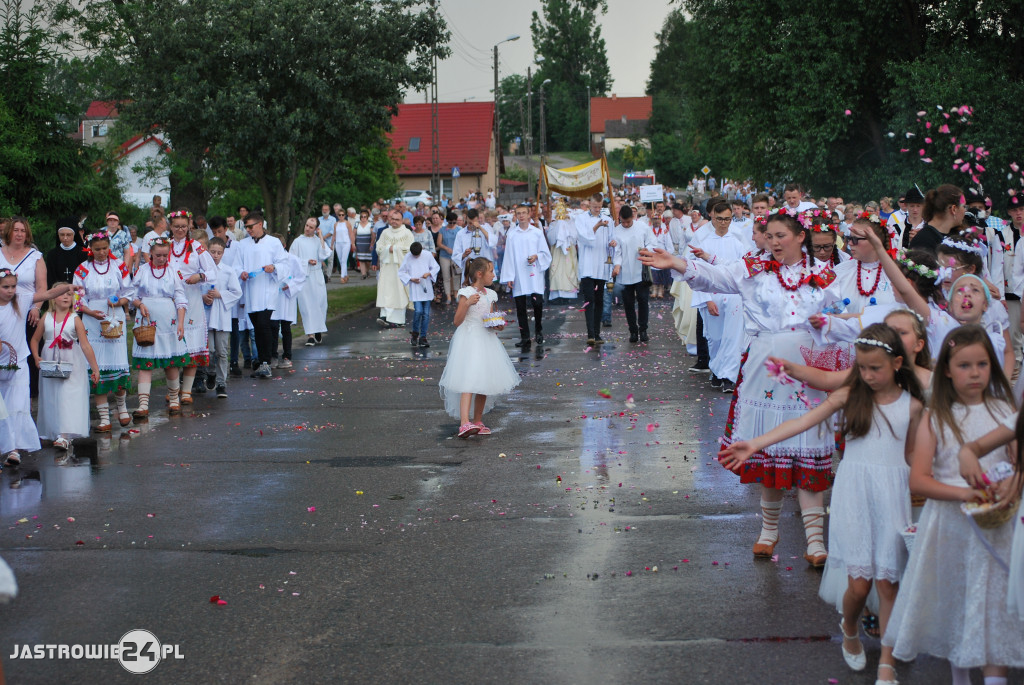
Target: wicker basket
144 334
8 362
986 516
111 327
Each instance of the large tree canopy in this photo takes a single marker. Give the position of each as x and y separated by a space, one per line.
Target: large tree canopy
43 172
281 90
782 89
567 36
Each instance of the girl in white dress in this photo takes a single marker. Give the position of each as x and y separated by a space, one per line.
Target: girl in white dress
106 286
881 403
1006 492
194 267
17 431
159 298
478 367
64 403
311 250
953 602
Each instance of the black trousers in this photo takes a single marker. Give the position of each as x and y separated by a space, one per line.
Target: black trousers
703 354
265 334
593 307
286 339
635 297
524 317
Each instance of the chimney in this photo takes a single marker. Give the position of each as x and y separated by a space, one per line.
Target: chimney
613 96
623 118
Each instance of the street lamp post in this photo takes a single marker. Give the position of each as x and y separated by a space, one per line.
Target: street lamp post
497 126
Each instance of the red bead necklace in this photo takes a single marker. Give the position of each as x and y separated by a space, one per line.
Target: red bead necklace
860 288
184 248
799 281
96 267
162 273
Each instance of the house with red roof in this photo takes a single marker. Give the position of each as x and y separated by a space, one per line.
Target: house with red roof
615 121
465 132
140 168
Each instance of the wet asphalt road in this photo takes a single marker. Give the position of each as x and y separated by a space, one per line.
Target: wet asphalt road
427 559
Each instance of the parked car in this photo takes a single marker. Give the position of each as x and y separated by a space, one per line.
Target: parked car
411 197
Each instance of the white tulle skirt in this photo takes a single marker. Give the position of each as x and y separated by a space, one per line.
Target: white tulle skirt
1015 595
477 364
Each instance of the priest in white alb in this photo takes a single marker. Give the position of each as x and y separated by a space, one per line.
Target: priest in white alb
392 246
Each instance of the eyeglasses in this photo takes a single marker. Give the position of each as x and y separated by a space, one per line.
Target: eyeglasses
251 226
854 241
722 218
824 248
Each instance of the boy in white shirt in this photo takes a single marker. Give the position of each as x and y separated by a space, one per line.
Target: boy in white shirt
221 302
419 272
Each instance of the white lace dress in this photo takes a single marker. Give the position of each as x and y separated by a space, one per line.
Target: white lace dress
477 361
870 505
952 601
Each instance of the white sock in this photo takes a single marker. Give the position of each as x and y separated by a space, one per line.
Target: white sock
103 409
144 390
814 528
961 676
770 512
186 383
995 680
122 402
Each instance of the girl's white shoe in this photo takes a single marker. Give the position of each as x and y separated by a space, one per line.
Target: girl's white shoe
856 662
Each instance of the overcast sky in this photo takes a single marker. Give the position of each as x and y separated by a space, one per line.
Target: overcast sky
476 25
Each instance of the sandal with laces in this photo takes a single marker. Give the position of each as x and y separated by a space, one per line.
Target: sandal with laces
13 458
186 398
468 429
61 444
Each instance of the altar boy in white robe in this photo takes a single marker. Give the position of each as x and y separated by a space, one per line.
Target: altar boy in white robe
419 272
262 259
722 314
475 241
526 259
221 301
312 250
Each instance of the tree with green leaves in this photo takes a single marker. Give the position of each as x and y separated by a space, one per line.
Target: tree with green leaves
827 98
566 35
44 173
269 97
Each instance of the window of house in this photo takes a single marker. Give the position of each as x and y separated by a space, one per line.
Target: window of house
414 145
95 130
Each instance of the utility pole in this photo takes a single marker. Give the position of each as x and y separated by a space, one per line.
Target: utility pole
435 144
497 125
543 129
529 130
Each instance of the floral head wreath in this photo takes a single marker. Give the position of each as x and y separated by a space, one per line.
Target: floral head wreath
873 343
817 220
975 246
922 270
98 235
159 242
5 272
180 214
